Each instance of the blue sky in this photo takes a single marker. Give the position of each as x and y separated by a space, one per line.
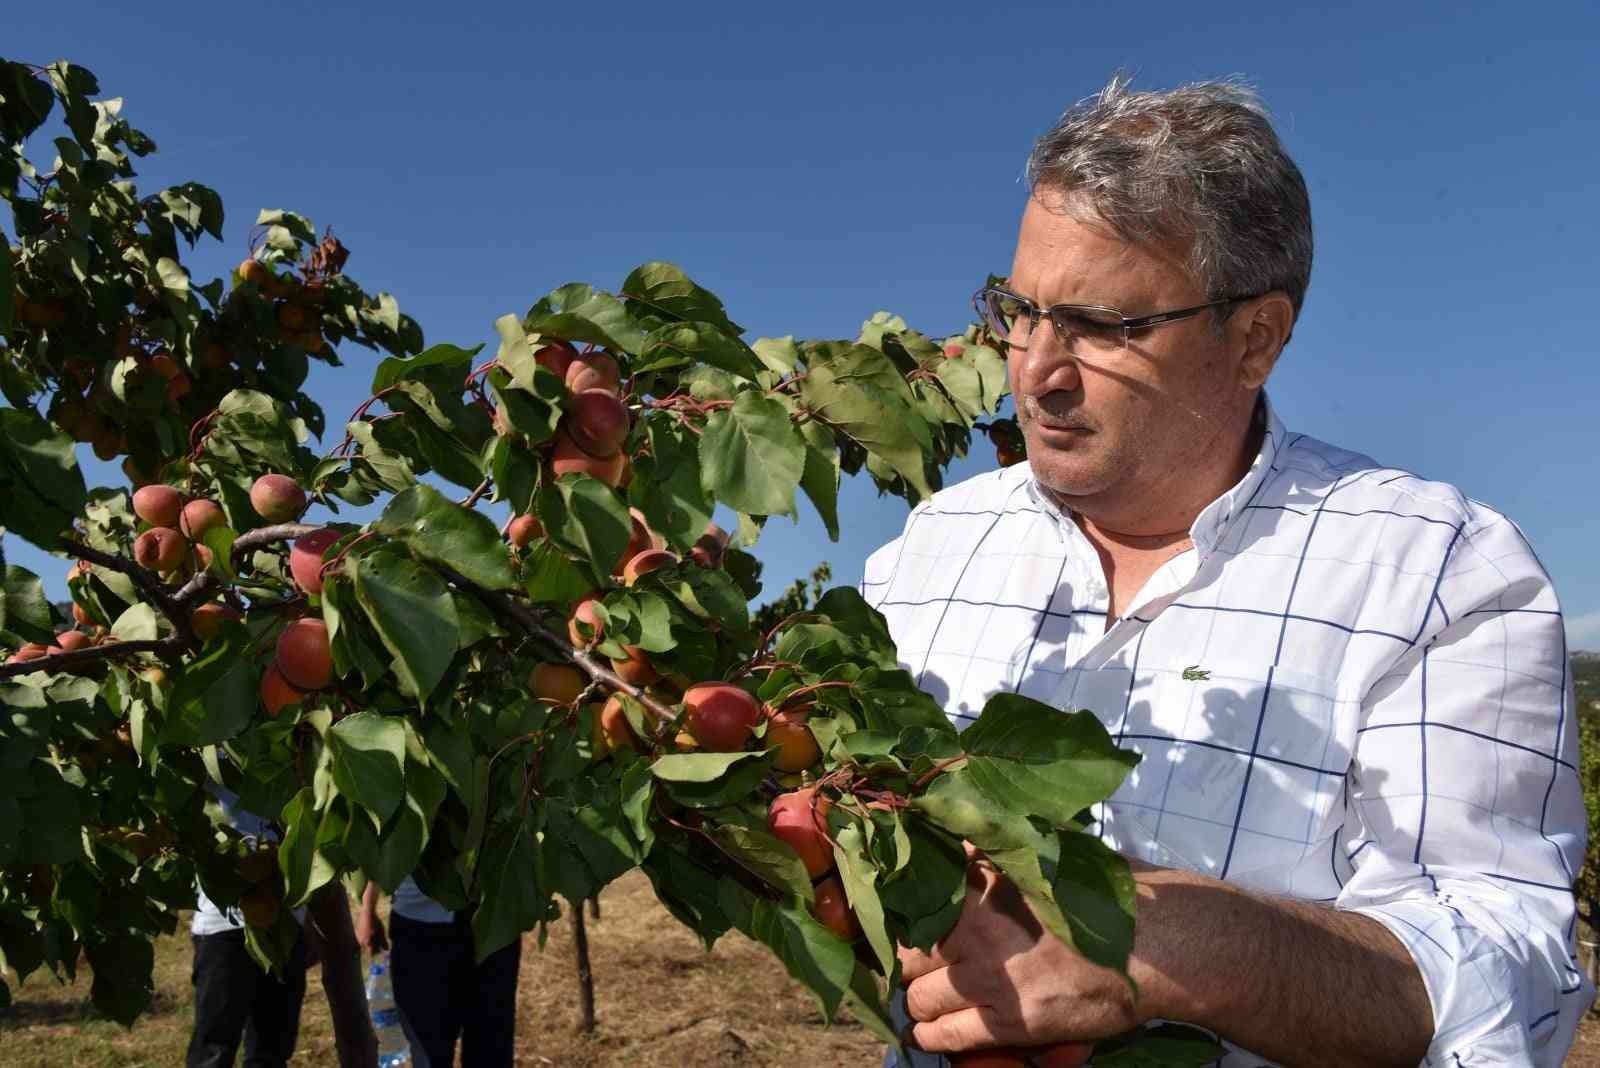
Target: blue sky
814 163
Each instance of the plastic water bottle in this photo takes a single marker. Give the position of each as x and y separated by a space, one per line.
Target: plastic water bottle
394 1050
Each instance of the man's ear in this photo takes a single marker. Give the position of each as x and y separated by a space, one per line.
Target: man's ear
1266 323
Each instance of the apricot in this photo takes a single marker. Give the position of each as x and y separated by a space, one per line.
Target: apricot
160 549
254 271
160 506
292 318
277 498
639 540
597 422
30 651
208 619
636 670
109 443
68 640
799 820
599 744
215 356
615 726
523 529
305 557
832 909
593 370
954 351
797 746
81 616
165 367
559 684
646 562
567 458
720 715
178 387
710 547
198 517
259 865
556 358
276 692
304 657
1007 457
261 906
583 612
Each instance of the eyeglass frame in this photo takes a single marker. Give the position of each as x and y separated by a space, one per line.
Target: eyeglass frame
1129 324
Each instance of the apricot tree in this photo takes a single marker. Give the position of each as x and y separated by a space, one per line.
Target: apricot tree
512 715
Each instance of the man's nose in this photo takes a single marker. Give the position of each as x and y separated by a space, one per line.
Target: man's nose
1042 365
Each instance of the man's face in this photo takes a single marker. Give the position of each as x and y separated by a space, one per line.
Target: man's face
1110 432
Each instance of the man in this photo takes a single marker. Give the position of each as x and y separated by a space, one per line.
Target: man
1357 819
443 992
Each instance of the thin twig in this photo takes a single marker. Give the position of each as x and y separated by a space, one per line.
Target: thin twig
472 498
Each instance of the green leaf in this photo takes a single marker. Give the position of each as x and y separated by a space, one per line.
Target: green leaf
137 624
124 969
859 877
681 343
438 529
820 477
1038 760
8 288
514 897
1094 887
666 289
398 369
822 961
1167 1045
858 391
305 869
578 312
216 695
411 609
585 516
751 458
551 578
710 780
369 752
780 354
39 478
763 854
928 892
24 610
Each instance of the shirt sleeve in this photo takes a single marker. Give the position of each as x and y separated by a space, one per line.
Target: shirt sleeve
1467 825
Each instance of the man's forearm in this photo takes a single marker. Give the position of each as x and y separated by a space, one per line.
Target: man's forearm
1300 983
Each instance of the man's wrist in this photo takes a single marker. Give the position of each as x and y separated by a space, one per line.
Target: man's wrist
1168 962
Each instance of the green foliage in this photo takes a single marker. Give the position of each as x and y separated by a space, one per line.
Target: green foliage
411 740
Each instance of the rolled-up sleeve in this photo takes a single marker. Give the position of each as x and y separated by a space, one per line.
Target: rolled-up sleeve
1467 825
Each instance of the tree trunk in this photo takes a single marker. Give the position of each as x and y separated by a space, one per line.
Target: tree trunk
580 938
329 910
594 907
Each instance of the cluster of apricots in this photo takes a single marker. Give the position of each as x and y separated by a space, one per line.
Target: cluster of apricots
297 305
591 434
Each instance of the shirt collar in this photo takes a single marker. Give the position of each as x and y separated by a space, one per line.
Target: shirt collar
1215 518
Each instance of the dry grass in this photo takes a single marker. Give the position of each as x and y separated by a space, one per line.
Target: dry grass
661 1002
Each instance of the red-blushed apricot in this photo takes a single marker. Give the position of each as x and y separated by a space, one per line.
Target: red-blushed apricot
639 540
68 640
208 619
179 387
305 557
81 616
30 651
710 547
202 558
797 746
832 909
646 562
198 517
1065 1055
292 318
636 670
556 358
261 906
799 819
160 506
594 370
559 684
955 350
160 549
304 657
597 422
166 368
566 458
276 692
615 726
523 529
1008 457
625 475
277 498
720 715
583 612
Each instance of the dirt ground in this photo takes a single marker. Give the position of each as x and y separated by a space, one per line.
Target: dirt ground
661 1002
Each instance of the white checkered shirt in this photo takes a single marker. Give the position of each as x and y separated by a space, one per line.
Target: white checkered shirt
1354 689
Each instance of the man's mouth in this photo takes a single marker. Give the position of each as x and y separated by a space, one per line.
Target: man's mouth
1041 415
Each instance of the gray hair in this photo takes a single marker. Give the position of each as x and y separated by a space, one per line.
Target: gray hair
1196 169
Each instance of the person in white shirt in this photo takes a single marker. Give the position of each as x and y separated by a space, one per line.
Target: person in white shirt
234 998
443 992
1357 820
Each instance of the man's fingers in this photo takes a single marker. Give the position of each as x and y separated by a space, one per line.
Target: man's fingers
973 1028
939 993
918 962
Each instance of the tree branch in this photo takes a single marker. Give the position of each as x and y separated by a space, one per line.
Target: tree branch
528 619
167 648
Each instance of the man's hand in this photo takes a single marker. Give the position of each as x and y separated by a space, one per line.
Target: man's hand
370 934
1000 979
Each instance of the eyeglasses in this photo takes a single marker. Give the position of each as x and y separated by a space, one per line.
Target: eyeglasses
1086 331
